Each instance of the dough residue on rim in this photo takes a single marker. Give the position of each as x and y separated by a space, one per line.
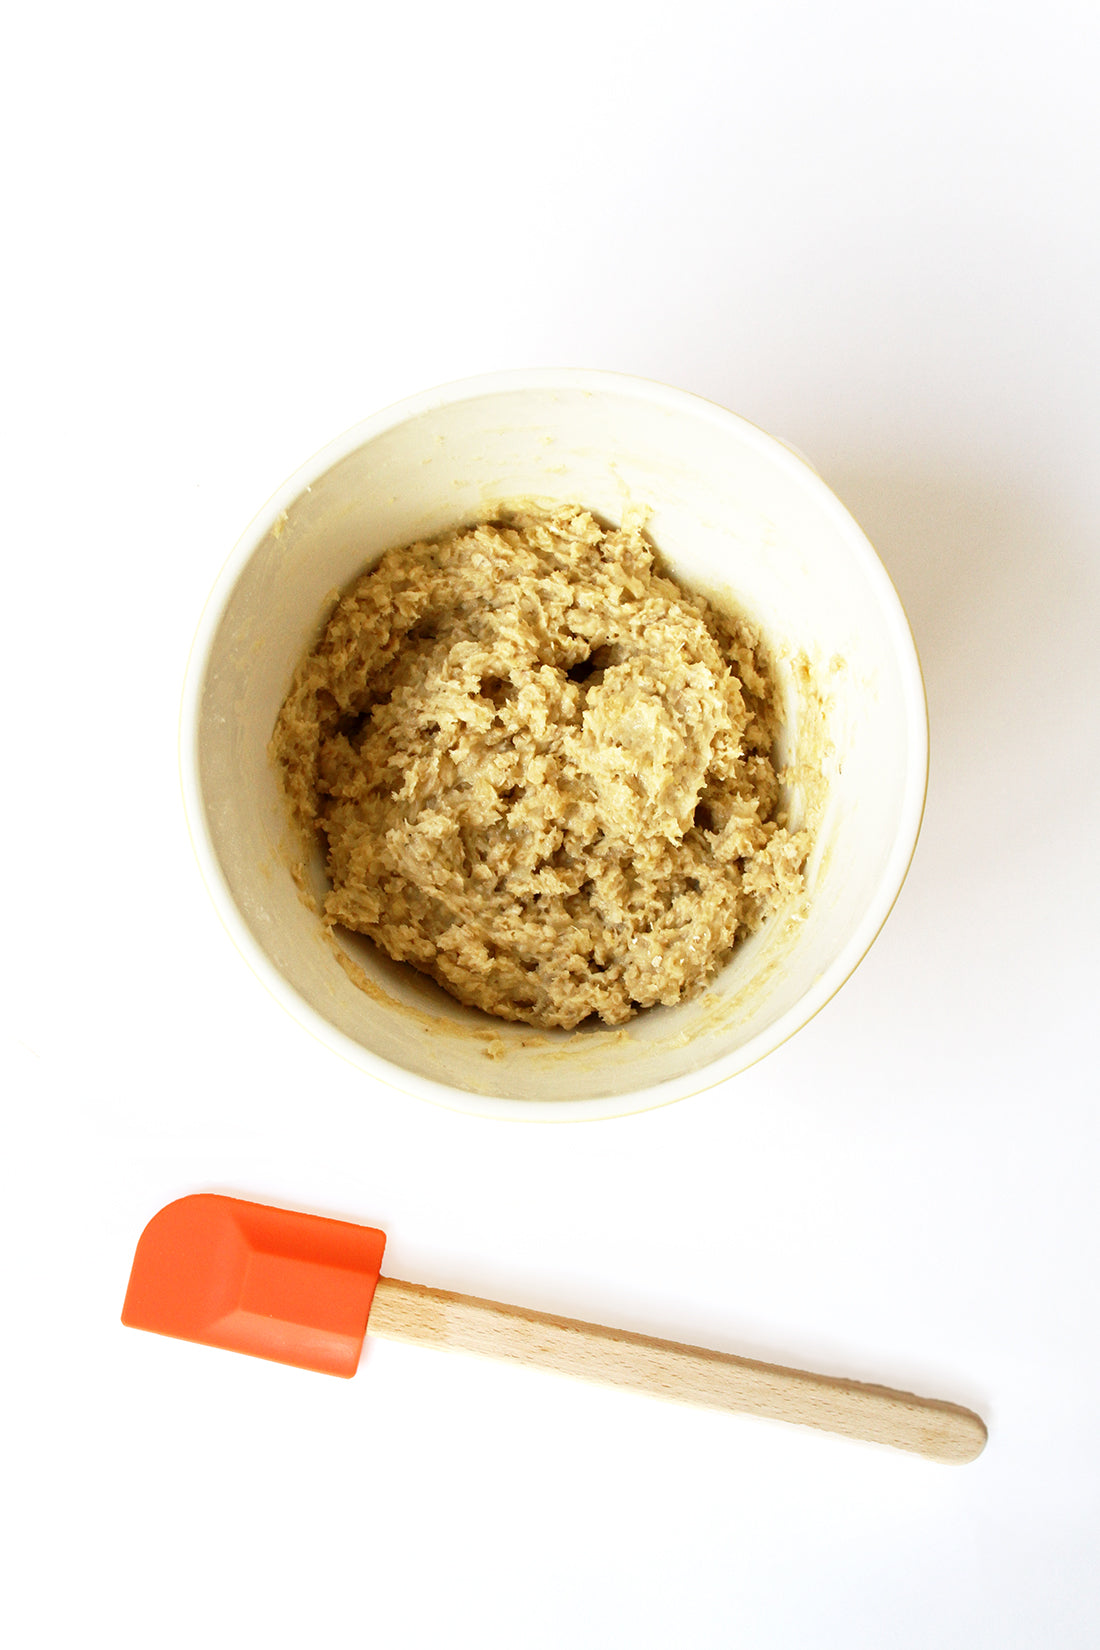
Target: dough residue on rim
541 771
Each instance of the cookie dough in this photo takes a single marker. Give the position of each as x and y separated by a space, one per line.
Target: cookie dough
540 770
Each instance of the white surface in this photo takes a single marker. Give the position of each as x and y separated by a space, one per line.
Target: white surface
234 232
735 514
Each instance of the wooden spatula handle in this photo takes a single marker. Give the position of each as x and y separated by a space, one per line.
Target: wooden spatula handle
686 1374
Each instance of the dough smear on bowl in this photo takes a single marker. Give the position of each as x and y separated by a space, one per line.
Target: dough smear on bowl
541 771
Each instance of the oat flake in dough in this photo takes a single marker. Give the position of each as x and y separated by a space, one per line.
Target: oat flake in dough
541 771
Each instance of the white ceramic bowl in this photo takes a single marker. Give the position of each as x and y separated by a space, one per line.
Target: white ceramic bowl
735 514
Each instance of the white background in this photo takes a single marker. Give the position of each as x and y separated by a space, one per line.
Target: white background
235 229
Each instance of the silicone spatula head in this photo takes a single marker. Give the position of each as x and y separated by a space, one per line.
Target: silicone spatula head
277 1284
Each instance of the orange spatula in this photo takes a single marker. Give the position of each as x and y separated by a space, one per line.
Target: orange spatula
299 1289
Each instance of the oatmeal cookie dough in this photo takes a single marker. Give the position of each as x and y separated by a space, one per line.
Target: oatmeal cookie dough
540 770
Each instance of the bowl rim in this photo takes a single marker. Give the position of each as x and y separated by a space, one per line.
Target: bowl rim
716 1072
